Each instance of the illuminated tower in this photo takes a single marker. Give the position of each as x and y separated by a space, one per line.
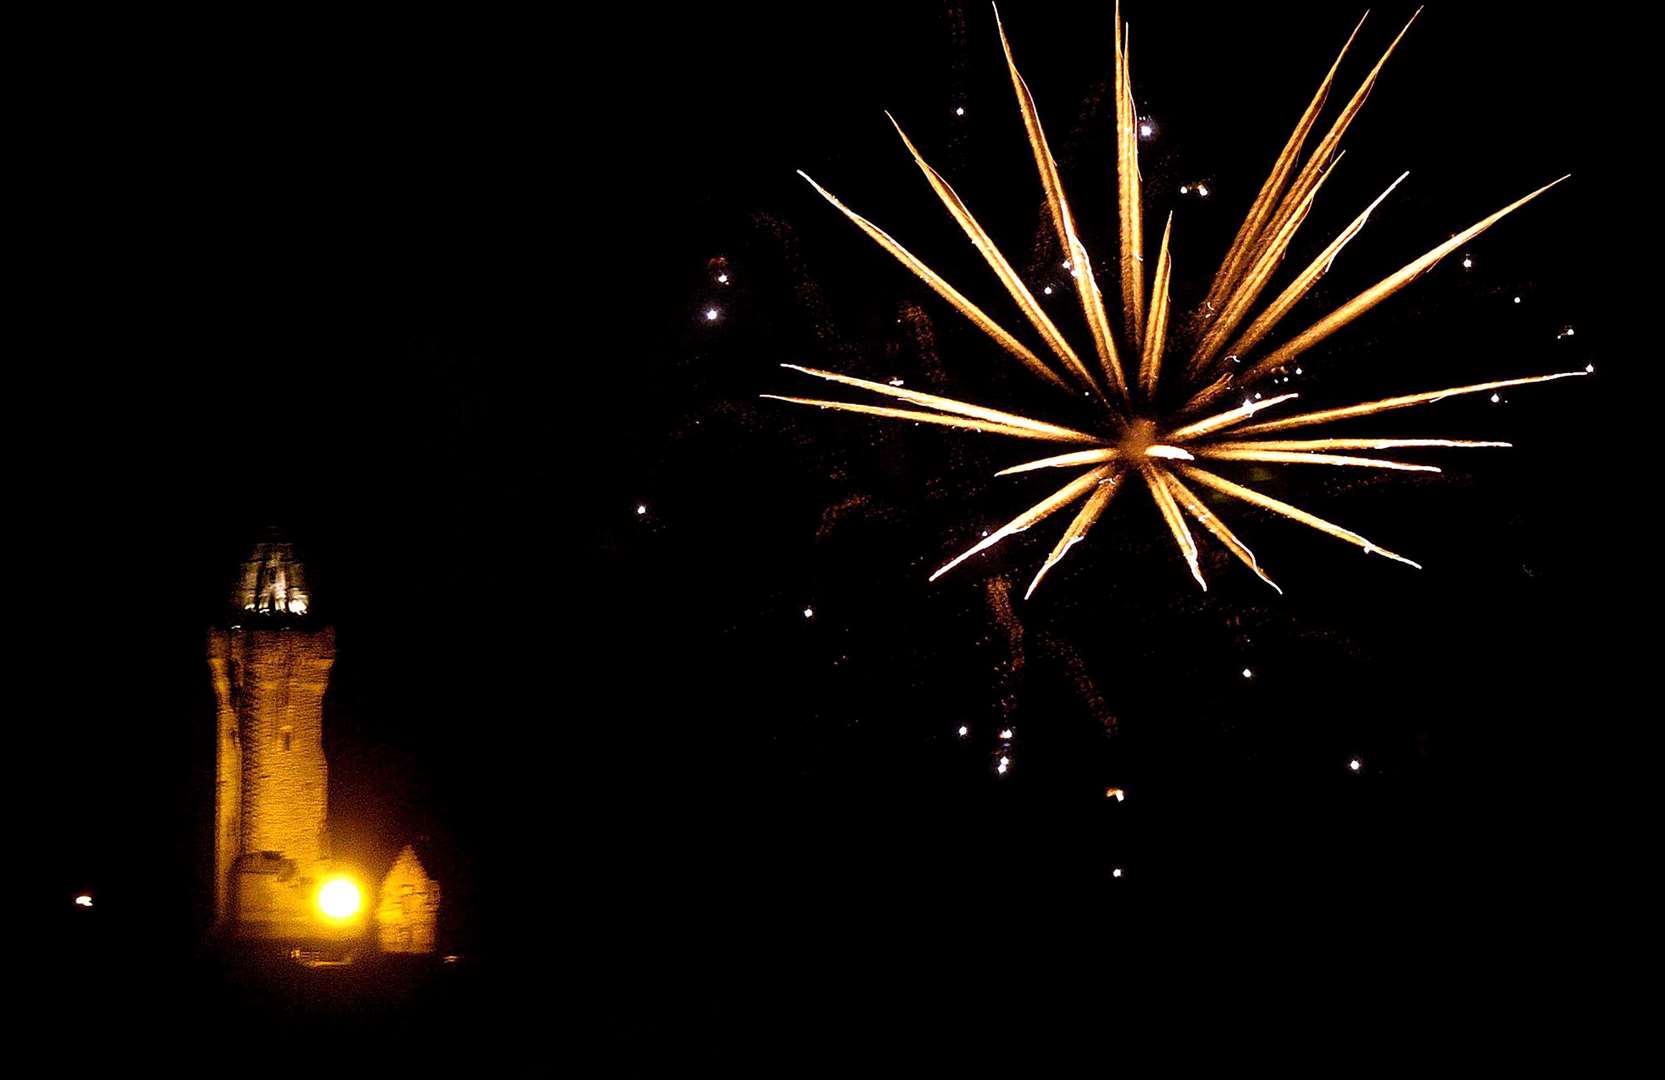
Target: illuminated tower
270 666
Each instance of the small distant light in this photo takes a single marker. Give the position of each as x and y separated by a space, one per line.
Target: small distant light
1566 331
896 382
1468 262
1202 189
711 314
1184 189
1248 673
641 508
1517 299
1003 766
1355 764
1257 397
1117 872
1496 399
1006 733
964 731
83 900
960 111
1589 369
722 279
1047 290
449 958
985 532
809 613
1146 129
1297 371
1066 264
1115 793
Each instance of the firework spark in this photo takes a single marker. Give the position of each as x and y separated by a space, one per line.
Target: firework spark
1207 356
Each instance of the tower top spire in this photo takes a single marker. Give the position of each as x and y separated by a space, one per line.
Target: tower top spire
273 581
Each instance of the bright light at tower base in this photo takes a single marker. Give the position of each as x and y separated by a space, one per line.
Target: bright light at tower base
339 898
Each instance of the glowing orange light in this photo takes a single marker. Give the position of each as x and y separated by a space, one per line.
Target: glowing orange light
1115 793
339 898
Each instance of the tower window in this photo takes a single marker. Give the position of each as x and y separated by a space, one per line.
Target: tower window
288 734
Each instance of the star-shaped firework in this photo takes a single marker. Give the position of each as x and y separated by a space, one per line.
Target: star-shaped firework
1164 446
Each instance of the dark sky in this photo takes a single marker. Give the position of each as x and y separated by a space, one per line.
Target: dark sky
426 293
812 820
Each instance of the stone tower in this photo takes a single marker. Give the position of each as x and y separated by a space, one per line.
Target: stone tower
270 667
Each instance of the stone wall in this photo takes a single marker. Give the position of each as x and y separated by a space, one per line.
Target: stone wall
407 916
228 784
270 688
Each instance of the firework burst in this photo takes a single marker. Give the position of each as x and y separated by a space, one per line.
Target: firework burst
1213 357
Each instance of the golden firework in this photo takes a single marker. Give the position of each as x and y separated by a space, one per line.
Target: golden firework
1164 448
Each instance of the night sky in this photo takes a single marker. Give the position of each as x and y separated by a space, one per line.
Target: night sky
654 665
